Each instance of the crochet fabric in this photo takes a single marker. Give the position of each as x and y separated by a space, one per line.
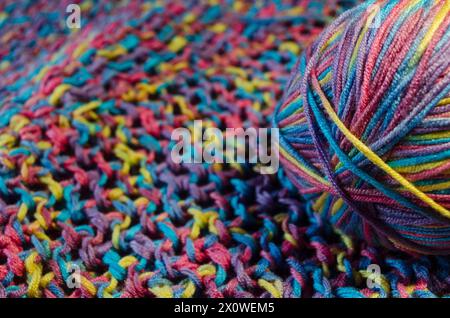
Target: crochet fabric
86 178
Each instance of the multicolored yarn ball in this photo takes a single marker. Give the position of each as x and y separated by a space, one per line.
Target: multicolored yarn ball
365 124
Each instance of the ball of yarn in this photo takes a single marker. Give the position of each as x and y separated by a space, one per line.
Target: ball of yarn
365 124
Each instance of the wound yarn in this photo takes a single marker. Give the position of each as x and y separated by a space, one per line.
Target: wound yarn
365 124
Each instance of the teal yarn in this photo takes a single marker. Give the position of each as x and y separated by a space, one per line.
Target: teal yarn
365 127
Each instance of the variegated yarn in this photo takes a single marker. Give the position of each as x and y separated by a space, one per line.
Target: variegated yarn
86 178
365 124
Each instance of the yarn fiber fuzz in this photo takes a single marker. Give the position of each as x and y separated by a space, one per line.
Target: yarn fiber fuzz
365 124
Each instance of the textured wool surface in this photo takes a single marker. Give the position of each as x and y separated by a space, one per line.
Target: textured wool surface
86 180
